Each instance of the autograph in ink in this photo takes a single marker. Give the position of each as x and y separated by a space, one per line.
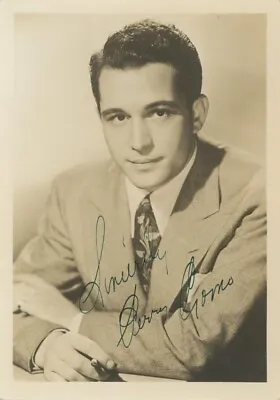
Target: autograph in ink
94 289
130 322
188 280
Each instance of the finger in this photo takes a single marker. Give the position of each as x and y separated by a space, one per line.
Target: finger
82 364
68 373
53 377
77 361
92 349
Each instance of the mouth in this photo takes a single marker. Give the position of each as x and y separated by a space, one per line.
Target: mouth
145 161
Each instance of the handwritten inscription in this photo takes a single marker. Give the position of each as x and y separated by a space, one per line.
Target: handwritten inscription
95 289
130 323
130 320
192 308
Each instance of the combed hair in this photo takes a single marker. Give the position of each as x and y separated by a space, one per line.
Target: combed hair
146 42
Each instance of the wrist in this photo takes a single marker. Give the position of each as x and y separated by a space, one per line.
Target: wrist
40 354
74 325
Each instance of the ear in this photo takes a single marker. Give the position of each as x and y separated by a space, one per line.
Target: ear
199 112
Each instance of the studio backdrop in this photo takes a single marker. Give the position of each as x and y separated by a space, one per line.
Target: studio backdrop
57 125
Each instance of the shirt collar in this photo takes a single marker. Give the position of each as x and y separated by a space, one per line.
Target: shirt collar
162 200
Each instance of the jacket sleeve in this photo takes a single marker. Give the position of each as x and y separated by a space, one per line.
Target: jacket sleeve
49 255
184 344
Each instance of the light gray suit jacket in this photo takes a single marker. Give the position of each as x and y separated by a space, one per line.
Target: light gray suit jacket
217 228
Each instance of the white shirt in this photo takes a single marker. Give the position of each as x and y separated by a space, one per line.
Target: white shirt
162 199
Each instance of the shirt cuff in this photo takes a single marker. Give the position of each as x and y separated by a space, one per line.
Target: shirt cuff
34 368
75 324
74 327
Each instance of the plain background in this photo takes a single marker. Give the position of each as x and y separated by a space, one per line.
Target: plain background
57 125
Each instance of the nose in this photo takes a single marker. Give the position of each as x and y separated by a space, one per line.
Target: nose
141 139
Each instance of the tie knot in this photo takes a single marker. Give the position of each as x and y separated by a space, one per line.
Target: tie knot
146 202
144 210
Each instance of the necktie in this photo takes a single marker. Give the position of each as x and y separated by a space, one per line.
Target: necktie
146 241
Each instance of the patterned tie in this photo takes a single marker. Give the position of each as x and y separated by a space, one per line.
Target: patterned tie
145 242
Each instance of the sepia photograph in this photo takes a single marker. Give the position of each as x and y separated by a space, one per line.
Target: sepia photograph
139 195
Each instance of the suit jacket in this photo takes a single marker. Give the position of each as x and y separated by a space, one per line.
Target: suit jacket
217 229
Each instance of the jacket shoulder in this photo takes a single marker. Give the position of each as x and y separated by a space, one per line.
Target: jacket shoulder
238 169
82 179
93 172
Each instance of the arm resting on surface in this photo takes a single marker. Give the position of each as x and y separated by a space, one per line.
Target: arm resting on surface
29 332
50 257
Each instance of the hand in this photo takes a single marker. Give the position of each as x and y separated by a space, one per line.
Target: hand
37 297
62 359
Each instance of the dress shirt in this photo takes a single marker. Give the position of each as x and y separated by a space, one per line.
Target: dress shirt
162 199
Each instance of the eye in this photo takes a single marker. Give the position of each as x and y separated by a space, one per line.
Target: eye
160 114
117 119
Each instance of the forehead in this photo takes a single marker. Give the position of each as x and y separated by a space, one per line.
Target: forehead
137 86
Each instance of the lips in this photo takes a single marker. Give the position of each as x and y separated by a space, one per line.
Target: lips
145 161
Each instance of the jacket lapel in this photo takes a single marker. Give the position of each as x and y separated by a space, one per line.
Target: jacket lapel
117 274
190 228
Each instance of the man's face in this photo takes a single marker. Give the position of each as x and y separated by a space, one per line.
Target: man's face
146 122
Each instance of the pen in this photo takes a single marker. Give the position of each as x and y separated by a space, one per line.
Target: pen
113 377
99 367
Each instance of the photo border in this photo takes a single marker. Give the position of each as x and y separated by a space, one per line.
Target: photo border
10 389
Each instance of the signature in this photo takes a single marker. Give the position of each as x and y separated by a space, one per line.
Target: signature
95 289
188 280
131 323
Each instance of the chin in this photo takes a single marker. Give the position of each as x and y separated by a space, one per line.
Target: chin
147 183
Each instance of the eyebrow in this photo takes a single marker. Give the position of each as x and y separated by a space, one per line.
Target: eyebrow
155 104
168 103
111 111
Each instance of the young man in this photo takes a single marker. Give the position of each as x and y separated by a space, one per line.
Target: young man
162 249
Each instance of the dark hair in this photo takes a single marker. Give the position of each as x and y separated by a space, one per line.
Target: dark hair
146 42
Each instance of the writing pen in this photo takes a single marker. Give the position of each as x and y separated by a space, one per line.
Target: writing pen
114 376
111 365
97 365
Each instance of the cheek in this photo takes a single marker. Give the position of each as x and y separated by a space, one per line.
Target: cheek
115 139
172 138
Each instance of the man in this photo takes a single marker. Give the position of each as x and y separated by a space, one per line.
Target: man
154 262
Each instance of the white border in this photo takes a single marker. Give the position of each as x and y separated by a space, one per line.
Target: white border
29 390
